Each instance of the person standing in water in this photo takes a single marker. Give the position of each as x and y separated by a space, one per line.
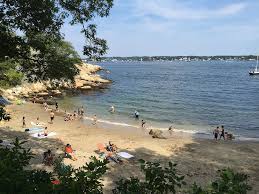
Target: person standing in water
112 109
222 132
216 133
136 114
94 120
82 111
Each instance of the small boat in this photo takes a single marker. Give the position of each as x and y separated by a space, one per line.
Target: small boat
256 70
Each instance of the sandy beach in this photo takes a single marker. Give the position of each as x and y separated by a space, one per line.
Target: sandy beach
198 159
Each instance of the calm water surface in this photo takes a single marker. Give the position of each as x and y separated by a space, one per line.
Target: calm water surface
194 96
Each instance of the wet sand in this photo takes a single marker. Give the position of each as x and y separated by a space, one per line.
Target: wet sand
198 159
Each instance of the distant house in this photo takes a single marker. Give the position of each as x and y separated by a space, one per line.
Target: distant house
3 101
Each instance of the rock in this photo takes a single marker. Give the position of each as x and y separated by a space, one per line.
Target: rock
156 133
86 87
43 94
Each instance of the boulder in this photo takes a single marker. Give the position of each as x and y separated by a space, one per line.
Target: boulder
156 133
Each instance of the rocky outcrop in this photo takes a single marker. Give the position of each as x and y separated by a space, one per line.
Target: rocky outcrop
86 79
156 133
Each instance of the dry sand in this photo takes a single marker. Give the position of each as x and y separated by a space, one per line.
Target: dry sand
198 159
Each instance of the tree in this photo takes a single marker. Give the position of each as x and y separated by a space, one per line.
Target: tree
27 25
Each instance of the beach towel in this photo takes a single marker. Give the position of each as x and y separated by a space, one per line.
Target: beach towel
35 129
39 125
125 155
51 134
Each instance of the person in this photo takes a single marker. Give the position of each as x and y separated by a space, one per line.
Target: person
136 114
143 124
1 113
216 133
52 115
23 122
111 147
94 120
112 109
56 106
75 115
45 132
34 99
48 158
82 111
70 152
222 134
37 121
170 129
45 105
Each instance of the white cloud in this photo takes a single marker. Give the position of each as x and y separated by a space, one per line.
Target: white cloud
173 10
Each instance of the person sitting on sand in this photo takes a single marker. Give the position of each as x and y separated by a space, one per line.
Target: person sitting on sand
94 120
111 147
222 134
216 133
136 113
48 158
75 115
52 115
70 152
23 122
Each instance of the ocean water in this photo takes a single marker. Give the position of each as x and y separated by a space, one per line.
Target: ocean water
194 97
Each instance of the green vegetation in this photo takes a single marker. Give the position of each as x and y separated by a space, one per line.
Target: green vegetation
10 76
30 36
15 178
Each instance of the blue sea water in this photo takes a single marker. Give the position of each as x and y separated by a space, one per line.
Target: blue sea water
192 96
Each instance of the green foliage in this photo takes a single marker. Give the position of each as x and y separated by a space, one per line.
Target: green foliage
39 46
16 178
229 182
158 179
9 75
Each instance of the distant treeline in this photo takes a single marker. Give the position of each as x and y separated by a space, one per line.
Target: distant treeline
178 58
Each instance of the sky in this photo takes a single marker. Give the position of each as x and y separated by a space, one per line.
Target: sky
176 27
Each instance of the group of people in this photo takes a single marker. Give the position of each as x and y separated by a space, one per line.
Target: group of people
221 133
48 156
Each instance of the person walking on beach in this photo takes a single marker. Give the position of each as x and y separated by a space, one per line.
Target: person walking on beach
94 120
143 124
216 133
222 132
45 105
56 106
52 115
23 122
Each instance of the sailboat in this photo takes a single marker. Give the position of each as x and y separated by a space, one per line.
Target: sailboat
256 70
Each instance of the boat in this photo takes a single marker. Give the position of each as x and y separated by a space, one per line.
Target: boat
256 70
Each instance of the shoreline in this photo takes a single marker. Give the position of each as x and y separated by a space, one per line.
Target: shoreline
198 158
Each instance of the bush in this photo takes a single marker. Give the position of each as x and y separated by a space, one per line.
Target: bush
15 179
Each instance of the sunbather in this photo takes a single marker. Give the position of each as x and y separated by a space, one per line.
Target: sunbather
112 147
70 152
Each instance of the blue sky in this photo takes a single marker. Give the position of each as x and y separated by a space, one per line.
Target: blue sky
177 27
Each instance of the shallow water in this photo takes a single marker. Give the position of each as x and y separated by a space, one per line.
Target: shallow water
194 96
